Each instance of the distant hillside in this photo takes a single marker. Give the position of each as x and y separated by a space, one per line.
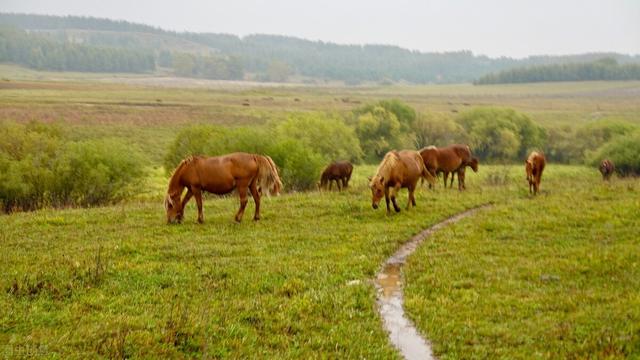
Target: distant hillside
278 58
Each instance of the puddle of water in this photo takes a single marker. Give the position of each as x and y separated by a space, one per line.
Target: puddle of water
402 332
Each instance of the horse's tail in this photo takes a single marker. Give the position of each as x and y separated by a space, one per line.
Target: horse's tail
268 178
424 172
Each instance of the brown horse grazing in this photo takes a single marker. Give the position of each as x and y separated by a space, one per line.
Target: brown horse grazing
339 171
398 169
606 169
534 167
449 159
473 164
221 175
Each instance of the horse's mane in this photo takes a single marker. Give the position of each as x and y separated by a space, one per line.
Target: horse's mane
173 179
389 162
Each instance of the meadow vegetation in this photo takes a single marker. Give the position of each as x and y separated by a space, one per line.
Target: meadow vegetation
555 276
116 281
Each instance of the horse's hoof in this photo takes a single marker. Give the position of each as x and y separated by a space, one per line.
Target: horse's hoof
397 210
200 221
256 218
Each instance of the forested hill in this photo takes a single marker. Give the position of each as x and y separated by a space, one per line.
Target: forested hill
602 69
259 57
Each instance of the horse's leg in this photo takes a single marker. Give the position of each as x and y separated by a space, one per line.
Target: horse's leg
338 184
242 193
330 184
198 194
396 189
256 199
186 198
386 198
453 176
411 199
445 176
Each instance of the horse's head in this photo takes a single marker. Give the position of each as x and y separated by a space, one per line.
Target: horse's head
377 190
474 164
173 206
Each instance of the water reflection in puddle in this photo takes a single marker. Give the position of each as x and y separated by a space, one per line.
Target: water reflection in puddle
402 332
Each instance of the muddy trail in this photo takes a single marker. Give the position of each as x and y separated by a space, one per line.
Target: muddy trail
402 333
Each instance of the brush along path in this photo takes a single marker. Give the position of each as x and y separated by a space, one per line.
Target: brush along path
402 332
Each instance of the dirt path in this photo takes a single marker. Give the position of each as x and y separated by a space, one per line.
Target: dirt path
401 331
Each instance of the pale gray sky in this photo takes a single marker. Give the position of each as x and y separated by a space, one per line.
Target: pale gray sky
515 28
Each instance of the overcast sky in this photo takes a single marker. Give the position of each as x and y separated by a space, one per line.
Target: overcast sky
515 28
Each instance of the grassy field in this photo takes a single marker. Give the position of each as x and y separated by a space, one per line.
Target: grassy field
552 277
118 282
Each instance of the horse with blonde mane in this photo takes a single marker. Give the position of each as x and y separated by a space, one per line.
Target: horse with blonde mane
398 169
221 175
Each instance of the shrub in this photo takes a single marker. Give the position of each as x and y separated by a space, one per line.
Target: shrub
95 172
214 140
299 166
624 151
325 134
40 167
404 113
379 132
501 134
577 145
437 130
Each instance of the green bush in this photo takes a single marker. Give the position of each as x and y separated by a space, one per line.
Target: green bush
404 113
624 151
40 167
438 130
576 145
298 165
501 134
95 172
211 140
325 134
379 131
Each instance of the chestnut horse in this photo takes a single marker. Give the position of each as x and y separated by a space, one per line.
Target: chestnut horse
606 169
449 159
534 167
221 175
398 169
339 171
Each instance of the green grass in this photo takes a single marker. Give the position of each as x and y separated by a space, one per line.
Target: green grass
276 288
118 282
557 276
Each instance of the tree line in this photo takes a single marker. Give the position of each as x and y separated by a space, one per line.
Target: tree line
276 58
38 52
602 69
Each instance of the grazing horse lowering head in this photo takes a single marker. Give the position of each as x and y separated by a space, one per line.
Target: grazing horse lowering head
377 190
474 164
173 206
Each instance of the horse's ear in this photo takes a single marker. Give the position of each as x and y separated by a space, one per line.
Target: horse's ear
369 178
381 179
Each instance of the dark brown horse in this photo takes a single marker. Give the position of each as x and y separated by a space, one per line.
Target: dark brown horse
534 166
449 159
606 169
221 175
339 171
398 169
